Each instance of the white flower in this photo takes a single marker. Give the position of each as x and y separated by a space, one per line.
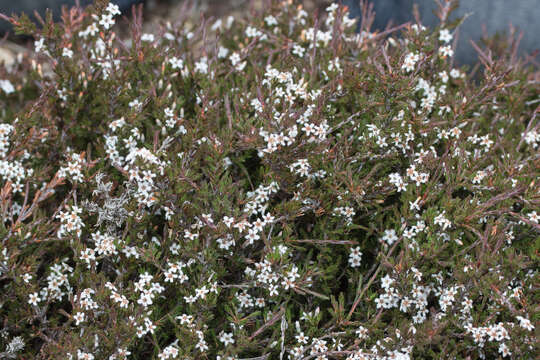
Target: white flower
201 293
88 255
410 61
445 36
226 338
390 236
202 65
39 45
252 236
504 351
386 282
135 104
147 37
113 9
455 73
252 32
106 21
222 52
397 180
534 217
297 351
417 28
446 51
355 257
362 333
298 50
33 299
117 124
273 290
84 356
170 351
79 318
176 63
415 205
185 319
7 86
67 53
228 221
191 236
442 221
270 20
525 323
444 76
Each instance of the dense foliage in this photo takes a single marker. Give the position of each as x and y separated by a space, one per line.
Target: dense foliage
274 187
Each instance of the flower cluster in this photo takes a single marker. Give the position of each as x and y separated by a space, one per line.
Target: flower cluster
11 169
71 222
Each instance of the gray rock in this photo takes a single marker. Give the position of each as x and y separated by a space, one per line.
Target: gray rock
496 15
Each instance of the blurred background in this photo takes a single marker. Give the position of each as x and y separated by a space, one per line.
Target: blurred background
485 17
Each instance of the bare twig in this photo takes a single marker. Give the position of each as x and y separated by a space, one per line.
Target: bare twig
269 323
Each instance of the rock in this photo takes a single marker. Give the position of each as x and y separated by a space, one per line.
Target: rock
496 15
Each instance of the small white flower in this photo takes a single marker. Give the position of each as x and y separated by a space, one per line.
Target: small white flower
7 86
84 356
106 21
147 37
444 76
362 333
455 74
223 52
113 9
534 217
202 65
67 53
252 236
410 61
185 319
386 282
445 36
176 63
201 293
504 351
355 257
301 338
226 338
446 51
442 221
415 205
298 50
39 45
79 318
33 299
525 323
270 20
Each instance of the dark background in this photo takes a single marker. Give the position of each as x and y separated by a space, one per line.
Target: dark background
495 15
492 15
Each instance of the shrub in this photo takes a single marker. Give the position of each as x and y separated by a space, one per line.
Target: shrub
272 187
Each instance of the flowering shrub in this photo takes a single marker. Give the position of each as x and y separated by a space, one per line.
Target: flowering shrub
278 187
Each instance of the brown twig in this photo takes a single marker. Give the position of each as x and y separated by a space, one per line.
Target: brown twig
269 323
